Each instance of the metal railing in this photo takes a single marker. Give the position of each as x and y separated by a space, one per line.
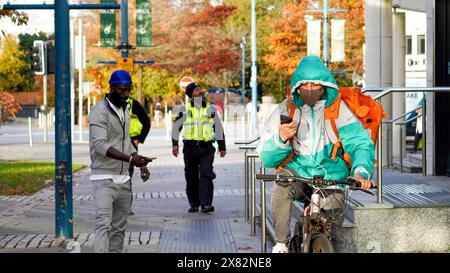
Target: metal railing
262 193
378 97
252 157
401 143
390 122
246 146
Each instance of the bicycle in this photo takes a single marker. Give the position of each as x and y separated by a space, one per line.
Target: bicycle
312 231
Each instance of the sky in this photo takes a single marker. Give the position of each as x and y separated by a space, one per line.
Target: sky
39 20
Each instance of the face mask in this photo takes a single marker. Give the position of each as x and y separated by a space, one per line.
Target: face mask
199 100
310 97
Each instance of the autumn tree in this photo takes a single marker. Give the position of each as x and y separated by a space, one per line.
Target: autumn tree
159 84
17 17
12 66
288 44
354 35
8 107
195 42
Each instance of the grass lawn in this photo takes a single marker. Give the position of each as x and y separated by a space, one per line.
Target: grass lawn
26 177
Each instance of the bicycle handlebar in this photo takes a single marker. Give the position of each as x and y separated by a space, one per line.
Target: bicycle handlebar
246 142
316 181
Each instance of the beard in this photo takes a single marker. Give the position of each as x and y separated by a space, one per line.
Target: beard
117 100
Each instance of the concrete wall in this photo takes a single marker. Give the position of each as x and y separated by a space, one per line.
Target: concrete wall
398 80
415 5
378 55
388 230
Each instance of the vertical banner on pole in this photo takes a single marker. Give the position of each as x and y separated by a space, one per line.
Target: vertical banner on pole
143 23
313 37
337 40
108 25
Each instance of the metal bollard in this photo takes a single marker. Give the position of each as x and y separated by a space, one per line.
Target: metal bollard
46 125
263 212
30 132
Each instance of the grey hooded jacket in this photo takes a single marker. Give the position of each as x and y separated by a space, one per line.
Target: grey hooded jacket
106 129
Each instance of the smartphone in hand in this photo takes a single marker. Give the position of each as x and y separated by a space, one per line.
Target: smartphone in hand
150 159
285 119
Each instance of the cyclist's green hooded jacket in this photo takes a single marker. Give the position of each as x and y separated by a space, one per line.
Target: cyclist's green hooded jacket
313 143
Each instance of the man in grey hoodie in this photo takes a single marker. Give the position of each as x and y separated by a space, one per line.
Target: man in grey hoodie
111 154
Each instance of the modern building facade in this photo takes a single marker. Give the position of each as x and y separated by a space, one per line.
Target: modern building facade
404 57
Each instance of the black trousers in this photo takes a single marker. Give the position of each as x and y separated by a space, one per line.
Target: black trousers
417 138
198 171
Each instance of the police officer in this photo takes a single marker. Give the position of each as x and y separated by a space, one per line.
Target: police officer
139 127
202 124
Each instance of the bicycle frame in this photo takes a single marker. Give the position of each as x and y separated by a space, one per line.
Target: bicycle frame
314 222
315 231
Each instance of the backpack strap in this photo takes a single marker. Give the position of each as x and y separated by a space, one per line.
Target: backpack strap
331 114
292 109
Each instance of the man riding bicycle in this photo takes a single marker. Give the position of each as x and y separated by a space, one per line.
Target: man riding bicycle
313 90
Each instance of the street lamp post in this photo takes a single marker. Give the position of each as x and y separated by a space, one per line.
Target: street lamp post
254 80
243 42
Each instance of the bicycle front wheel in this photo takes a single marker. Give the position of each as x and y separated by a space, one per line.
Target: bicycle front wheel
321 244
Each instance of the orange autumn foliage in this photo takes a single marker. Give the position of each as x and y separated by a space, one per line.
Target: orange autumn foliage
288 45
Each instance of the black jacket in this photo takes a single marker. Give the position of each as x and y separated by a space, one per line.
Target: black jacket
142 115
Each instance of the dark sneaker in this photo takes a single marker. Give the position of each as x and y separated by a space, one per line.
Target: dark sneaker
193 209
206 209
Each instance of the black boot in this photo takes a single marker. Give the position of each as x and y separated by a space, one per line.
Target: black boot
193 209
207 208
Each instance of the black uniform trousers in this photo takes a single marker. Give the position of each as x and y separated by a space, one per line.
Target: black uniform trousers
198 171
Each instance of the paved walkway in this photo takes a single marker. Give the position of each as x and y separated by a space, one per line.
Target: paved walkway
161 222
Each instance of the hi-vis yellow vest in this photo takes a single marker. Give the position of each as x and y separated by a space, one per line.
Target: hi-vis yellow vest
199 124
135 124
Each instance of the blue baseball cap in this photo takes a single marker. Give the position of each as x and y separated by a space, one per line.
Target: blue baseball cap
120 77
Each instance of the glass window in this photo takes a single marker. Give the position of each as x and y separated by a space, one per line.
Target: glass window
421 44
408 45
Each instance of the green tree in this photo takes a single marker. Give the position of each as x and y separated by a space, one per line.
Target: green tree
159 84
12 66
25 42
269 79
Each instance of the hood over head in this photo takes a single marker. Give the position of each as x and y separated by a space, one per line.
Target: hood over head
312 69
